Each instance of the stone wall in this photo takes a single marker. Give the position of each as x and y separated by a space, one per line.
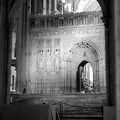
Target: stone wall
47 58
55 54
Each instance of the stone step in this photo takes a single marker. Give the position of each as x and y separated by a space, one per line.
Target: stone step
82 117
84 110
83 113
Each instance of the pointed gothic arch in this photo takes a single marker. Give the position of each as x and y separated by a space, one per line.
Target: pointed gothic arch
88 52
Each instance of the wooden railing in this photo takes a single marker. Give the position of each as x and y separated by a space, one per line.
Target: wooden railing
46 21
57 116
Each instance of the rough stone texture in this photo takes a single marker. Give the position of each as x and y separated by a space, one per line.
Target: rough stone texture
48 58
76 99
54 64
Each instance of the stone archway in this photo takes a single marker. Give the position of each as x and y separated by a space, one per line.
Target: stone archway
85 51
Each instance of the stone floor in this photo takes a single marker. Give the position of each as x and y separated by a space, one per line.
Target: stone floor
73 99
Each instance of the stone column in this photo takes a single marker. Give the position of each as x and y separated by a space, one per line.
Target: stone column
19 51
29 7
3 53
44 7
69 78
69 75
50 6
96 76
73 78
55 5
35 6
64 71
116 35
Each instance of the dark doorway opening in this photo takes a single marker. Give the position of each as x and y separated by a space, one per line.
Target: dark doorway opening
84 76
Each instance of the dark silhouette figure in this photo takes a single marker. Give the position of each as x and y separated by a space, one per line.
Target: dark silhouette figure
24 91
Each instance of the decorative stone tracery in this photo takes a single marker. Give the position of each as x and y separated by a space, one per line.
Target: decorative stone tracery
85 51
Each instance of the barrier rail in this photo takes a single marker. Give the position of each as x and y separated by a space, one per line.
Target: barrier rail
41 21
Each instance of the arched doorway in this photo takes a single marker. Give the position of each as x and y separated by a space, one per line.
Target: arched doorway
84 81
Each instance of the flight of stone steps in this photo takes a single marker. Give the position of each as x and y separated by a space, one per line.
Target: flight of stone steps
83 113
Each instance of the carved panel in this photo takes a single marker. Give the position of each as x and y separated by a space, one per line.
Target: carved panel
69 30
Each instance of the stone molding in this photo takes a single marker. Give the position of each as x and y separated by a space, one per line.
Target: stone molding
81 30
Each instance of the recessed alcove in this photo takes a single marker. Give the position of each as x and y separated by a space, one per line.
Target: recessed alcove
85 81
